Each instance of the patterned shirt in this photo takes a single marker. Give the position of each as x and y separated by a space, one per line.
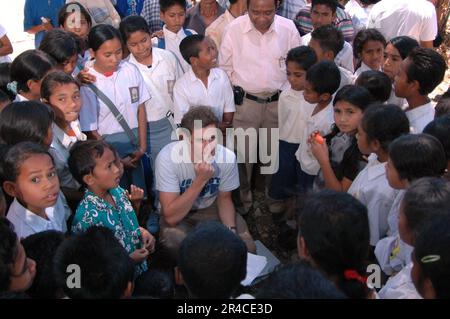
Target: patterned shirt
150 12
343 22
121 219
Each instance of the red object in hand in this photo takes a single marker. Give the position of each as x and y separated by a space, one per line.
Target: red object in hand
319 139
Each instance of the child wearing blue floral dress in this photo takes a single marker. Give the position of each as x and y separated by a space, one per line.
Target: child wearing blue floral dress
95 165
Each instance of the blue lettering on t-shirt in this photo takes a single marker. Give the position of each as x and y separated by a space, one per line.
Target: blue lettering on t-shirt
211 188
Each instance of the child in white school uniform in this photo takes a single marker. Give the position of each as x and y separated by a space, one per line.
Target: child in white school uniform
419 75
204 84
293 111
74 18
396 50
410 157
29 175
61 92
327 41
160 70
173 14
319 90
123 84
424 200
368 49
380 125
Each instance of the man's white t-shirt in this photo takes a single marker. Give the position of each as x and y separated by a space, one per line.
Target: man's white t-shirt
173 175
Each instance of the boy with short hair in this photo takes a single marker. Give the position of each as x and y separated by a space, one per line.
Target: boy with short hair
212 262
327 42
319 90
293 111
204 84
419 75
173 14
106 270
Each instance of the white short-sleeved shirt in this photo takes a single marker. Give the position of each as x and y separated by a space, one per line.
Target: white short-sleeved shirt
293 111
189 91
346 77
413 18
322 122
27 223
59 149
400 286
160 79
344 58
371 188
176 176
364 67
126 89
420 117
255 61
172 43
394 213
4 58
89 109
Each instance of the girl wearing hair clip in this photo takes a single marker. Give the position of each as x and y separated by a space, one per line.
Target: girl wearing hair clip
27 72
431 259
426 199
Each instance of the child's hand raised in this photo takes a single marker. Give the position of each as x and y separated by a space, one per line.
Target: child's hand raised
158 34
148 239
85 77
135 195
318 147
139 255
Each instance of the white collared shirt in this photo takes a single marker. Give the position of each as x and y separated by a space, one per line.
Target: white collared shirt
189 91
364 67
172 41
293 112
126 89
256 61
322 122
216 29
21 98
160 79
344 58
27 223
419 117
394 213
59 149
346 77
371 188
400 286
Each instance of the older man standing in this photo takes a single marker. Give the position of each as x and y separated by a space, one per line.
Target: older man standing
253 53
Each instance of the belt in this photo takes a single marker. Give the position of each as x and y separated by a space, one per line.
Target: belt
272 98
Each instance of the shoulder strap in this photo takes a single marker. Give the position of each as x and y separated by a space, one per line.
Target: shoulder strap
161 43
119 117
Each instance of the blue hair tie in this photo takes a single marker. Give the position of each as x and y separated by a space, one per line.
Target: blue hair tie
12 87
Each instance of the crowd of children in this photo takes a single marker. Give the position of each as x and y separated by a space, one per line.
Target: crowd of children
90 134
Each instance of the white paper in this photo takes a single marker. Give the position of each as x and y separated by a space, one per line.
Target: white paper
255 265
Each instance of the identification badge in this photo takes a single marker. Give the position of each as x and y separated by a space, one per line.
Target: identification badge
134 93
